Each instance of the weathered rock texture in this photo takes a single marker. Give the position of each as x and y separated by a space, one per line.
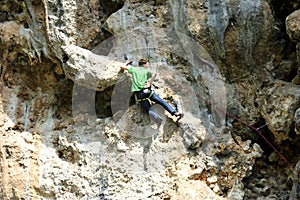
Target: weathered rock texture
70 128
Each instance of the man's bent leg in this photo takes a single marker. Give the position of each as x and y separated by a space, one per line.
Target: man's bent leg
161 102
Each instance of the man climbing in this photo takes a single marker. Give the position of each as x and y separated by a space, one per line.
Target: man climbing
142 79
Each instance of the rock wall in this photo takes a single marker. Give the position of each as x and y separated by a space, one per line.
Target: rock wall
70 128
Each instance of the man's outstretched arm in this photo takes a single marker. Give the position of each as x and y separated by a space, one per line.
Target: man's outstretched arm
124 66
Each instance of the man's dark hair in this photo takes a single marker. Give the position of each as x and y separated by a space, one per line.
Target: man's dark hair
143 61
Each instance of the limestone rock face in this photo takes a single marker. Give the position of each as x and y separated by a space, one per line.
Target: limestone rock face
292 22
70 128
297 121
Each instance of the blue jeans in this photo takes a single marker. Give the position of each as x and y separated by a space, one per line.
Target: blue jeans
154 97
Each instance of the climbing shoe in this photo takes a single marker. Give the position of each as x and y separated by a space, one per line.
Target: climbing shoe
178 114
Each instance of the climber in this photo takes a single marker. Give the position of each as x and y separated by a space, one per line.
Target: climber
142 79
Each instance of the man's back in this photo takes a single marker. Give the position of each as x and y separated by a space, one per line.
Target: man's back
140 75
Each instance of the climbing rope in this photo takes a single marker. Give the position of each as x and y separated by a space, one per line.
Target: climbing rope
253 128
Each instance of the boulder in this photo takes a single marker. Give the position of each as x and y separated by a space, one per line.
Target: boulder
292 26
278 109
93 71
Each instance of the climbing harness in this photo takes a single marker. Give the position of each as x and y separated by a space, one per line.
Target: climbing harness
143 93
144 99
253 128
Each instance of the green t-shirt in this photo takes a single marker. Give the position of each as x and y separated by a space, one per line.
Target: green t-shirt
140 75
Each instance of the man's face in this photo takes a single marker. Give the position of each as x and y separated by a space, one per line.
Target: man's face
146 65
